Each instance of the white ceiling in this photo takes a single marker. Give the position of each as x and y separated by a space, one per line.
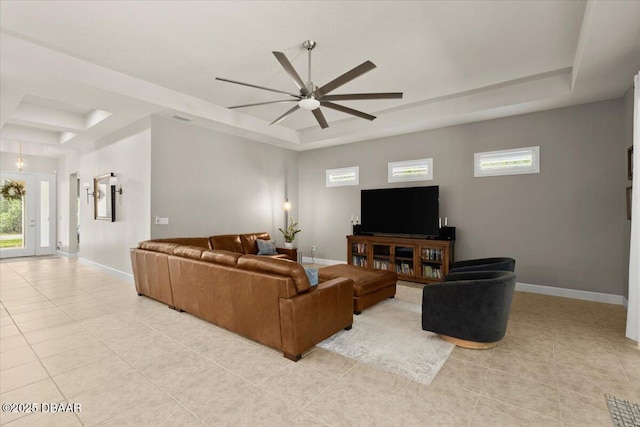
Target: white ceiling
66 63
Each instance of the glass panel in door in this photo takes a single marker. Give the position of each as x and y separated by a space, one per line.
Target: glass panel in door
46 208
44 215
26 224
12 217
17 223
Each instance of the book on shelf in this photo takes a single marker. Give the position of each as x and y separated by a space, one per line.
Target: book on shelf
432 254
404 268
360 248
431 272
359 261
381 264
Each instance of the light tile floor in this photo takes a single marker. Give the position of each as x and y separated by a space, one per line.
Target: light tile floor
72 334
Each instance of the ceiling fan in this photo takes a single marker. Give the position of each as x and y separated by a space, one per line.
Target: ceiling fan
311 97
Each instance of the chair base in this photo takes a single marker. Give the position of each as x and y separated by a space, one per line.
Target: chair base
469 344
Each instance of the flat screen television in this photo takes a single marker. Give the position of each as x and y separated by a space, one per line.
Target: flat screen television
409 211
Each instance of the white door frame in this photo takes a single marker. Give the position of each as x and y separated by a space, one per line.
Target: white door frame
39 222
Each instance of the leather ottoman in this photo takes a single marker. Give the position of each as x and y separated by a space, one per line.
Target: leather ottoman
369 286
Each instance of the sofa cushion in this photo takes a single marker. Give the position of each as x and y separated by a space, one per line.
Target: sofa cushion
227 242
312 275
151 245
193 252
281 267
266 247
186 241
249 241
221 257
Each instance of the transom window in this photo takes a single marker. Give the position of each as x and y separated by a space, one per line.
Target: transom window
343 176
507 162
411 170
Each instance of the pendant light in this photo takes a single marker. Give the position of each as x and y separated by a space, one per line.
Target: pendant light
20 161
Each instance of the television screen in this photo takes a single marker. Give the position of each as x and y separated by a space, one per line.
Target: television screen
411 211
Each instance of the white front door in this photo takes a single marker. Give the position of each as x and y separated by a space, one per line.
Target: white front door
27 226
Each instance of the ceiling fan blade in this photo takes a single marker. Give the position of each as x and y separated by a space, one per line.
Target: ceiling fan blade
284 116
263 103
320 118
284 61
355 96
257 87
345 78
347 110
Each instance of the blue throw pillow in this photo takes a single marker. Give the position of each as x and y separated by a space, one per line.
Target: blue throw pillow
312 274
266 247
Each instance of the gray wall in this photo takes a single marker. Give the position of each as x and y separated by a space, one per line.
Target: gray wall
565 226
207 182
104 242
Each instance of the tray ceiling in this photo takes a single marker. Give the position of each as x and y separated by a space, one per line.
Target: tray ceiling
455 62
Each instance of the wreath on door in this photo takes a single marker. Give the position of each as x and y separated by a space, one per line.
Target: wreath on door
12 190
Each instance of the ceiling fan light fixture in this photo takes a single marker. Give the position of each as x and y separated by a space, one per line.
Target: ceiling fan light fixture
311 97
309 103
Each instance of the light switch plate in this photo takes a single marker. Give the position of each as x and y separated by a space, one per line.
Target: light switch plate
162 220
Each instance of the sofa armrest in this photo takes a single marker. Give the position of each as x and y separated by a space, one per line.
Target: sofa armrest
312 317
291 254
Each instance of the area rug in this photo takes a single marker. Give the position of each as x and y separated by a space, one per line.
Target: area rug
623 413
389 336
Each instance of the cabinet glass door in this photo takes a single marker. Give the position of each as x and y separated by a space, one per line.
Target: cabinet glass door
404 260
382 257
359 254
431 260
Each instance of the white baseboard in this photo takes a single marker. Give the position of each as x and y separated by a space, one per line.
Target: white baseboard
572 293
527 287
112 271
67 254
309 260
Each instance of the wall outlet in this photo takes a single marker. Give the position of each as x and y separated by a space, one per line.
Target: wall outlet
162 221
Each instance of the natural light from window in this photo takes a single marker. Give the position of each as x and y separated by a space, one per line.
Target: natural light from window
410 170
507 162
343 176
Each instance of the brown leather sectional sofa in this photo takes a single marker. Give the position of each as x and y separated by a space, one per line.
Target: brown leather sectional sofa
246 244
265 299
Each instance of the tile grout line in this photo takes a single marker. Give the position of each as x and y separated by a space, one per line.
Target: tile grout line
619 362
88 331
555 367
474 412
38 358
475 408
125 361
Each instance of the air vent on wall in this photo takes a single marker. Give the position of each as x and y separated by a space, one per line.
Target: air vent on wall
183 118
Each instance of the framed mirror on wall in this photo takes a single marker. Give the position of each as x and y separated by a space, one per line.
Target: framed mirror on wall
104 195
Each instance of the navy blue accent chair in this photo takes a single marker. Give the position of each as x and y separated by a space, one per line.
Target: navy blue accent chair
470 307
484 264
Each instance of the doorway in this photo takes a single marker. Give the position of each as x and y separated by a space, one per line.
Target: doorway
28 223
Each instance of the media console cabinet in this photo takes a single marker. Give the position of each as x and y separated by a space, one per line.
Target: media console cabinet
415 260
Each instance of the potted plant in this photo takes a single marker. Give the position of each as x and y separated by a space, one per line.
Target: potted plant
290 233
